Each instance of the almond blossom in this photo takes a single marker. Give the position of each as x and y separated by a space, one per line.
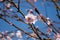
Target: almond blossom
9 38
19 34
58 39
1 0
32 0
49 30
49 22
34 35
6 33
0 35
11 9
57 36
30 18
8 5
3 38
12 35
35 0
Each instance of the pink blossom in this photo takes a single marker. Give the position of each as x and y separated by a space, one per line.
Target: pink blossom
8 5
6 33
58 39
30 18
49 30
1 0
0 35
3 38
35 0
57 36
33 34
32 0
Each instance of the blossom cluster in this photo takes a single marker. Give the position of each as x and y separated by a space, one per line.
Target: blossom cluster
10 35
31 18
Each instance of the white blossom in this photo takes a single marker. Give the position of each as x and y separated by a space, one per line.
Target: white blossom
32 1
29 10
58 39
2 32
8 38
33 34
9 5
57 36
30 18
11 9
35 0
49 22
12 35
19 34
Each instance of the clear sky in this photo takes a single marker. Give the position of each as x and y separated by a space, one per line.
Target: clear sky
50 9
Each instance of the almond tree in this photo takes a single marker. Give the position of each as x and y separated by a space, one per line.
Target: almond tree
30 19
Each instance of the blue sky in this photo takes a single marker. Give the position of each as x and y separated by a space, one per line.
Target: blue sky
51 11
